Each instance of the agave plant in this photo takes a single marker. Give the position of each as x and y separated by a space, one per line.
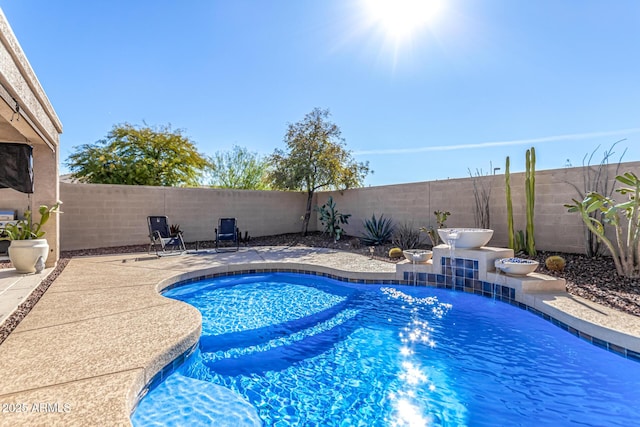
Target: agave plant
377 230
174 230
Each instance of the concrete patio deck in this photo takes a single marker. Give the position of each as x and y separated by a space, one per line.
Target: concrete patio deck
15 288
102 331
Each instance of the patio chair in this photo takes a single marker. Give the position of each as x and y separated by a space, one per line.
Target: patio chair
227 231
161 238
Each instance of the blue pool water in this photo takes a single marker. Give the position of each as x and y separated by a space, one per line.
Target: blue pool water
295 350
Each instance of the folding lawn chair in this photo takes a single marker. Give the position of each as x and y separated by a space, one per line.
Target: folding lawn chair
161 237
227 231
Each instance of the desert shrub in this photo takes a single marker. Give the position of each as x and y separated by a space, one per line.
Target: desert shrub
441 217
623 216
597 179
331 219
406 236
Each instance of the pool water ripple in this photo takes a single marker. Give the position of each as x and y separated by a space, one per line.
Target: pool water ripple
305 350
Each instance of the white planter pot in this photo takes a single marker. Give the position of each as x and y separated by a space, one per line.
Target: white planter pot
25 253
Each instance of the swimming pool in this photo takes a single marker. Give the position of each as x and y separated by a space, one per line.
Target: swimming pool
282 349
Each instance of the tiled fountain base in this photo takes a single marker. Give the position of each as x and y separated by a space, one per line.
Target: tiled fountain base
473 271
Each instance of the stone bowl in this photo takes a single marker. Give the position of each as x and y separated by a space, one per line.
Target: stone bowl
516 266
466 238
418 256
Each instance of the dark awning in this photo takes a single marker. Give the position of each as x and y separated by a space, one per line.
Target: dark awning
16 167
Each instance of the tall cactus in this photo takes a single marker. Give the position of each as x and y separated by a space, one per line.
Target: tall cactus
507 177
530 194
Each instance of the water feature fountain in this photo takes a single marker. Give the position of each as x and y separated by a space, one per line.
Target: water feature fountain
464 263
417 256
466 238
516 266
452 237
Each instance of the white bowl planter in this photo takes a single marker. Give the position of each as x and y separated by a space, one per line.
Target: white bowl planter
418 256
25 253
516 266
466 238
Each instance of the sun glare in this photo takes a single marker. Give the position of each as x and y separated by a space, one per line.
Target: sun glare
400 19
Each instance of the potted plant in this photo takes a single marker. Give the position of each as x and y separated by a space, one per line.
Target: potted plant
27 243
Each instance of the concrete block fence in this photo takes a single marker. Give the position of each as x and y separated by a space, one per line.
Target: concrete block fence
555 228
98 215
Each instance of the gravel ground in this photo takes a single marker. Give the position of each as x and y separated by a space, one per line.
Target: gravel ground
593 279
596 279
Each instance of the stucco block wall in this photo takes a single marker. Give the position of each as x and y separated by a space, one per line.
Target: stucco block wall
555 228
115 215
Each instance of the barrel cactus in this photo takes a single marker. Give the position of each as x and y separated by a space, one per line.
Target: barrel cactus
395 253
555 263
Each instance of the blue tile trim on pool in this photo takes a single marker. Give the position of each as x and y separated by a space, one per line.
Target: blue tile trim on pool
462 283
167 370
170 368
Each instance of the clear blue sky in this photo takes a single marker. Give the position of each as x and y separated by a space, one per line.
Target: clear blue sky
462 88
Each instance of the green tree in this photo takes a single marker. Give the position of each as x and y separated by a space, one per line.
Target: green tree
238 168
139 155
315 159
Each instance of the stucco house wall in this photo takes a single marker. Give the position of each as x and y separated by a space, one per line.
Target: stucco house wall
27 116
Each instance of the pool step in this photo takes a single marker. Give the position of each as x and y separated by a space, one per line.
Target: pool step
172 403
280 353
213 343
